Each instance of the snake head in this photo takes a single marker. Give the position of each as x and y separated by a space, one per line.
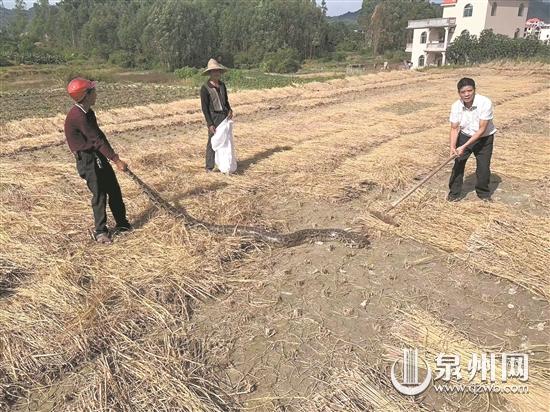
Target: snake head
358 242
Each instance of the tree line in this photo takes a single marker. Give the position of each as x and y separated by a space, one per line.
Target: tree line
274 35
471 49
171 33
384 22
177 33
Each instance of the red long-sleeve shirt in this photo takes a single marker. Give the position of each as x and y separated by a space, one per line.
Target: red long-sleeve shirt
83 133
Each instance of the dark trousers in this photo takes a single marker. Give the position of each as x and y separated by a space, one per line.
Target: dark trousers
483 150
217 118
102 182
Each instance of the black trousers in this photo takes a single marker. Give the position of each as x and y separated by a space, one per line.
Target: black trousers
483 150
102 182
217 118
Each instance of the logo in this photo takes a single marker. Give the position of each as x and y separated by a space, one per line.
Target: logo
483 373
410 384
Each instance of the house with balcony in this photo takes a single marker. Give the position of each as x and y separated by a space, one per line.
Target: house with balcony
430 38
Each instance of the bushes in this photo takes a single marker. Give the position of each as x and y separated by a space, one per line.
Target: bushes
122 58
349 45
67 73
395 55
467 49
236 76
249 58
25 51
334 57
186 72
281 61
338 56
4 61
37 56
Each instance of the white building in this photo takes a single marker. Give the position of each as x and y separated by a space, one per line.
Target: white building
544 33
537 28
431 37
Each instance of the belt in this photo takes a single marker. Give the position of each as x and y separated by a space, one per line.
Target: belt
99 158
482 137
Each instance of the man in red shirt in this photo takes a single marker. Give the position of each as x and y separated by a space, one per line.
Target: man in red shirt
92 152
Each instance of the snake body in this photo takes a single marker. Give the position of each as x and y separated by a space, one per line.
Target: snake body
350 239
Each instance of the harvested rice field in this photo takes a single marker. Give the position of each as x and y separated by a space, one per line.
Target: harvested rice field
170 318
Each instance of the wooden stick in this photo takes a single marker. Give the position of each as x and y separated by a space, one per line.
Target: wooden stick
410 192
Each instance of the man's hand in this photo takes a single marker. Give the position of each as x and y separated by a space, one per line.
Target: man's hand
453 152
212 129
230 115
460 150
121 165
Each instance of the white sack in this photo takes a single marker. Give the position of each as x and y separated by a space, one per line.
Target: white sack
222 143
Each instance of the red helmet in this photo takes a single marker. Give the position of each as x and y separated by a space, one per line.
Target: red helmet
78 87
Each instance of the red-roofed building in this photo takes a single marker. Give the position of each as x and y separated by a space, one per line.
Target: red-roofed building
537 28
431 37
534 21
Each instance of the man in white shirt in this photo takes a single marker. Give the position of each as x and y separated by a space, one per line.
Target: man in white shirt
472 131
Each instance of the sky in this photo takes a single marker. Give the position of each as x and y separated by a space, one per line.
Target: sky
335 7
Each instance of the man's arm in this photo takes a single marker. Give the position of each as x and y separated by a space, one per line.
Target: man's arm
96 137
227 98
474 138
205 109
100 142
230 112
454 118
453 136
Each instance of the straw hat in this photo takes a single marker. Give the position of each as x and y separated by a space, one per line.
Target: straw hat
214 65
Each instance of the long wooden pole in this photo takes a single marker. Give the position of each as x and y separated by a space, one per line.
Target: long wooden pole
410 192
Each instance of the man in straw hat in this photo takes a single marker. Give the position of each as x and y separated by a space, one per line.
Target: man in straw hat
91 149
215 105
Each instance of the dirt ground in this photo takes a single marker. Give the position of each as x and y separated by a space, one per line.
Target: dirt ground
314 327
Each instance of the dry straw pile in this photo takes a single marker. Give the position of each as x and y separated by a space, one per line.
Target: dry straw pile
418 328
94 328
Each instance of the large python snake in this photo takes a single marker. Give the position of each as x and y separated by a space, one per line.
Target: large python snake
350 239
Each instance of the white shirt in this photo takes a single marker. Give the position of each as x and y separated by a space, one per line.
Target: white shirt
482 109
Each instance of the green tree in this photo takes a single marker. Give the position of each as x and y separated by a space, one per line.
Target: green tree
385 21
99 32
367 9
180 33
19 23
176 33
40 24
467 49
281 61
388 23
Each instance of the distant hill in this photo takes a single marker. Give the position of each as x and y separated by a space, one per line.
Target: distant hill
349 17
537 8
7 14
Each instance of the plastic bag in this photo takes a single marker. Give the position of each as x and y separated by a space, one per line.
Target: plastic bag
224 147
